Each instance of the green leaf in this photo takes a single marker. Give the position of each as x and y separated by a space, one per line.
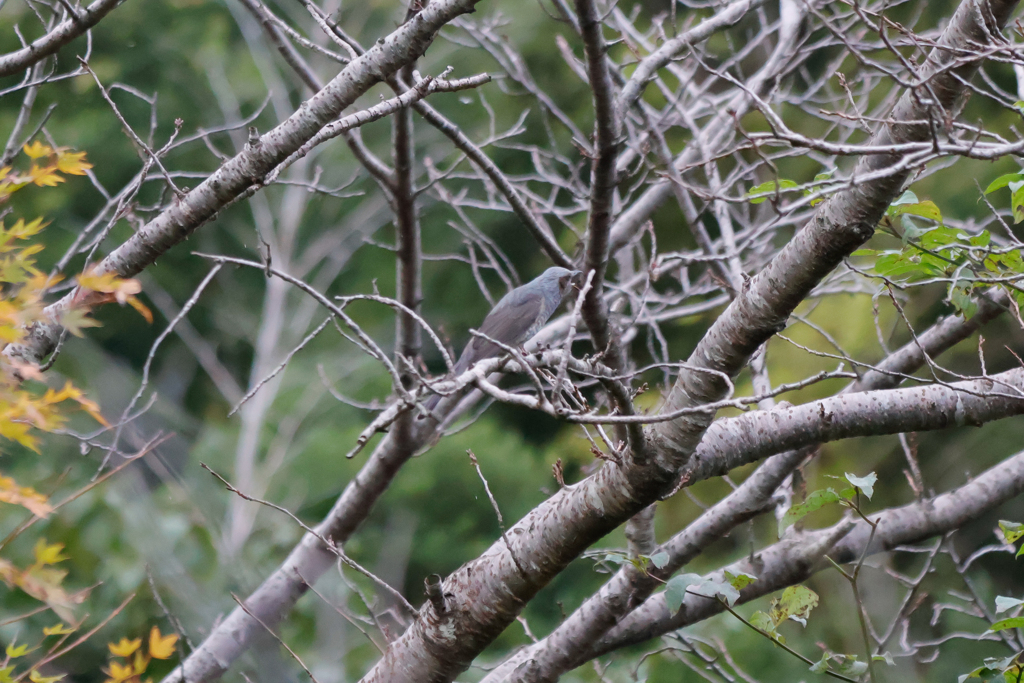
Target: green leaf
884 657
1002 181
795 603
982 239
911 232
896 265
1012 531
907 197
762 621
660 559
5 674
816 500
721 589
1004 603
940 237
821 666
962 301
1017 201
15 652
760 193
866 484
675 590
739 581
1003 624
926 209
848 665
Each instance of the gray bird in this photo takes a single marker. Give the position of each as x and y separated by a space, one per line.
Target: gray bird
516 318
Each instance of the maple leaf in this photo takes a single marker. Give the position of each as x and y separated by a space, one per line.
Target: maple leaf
72 163
44 176
124 649
59 630
134 302
18 432
37 677
110 283
46 553
161 647
75 320
17 651
119 672
37 150
21 229
25 496
140 663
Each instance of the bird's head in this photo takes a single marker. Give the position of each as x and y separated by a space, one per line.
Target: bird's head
564 277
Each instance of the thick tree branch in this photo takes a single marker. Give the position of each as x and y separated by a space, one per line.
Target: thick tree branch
371 162
607 127
486 594
792 560
64 33
258 159
733 442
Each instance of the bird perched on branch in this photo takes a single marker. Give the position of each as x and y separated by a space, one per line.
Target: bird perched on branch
515 319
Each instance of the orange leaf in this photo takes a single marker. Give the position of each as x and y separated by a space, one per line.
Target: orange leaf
141 308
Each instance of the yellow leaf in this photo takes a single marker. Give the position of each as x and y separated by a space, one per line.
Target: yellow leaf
48 554
21 229
24 496
75 320
140 663
37 150
73 163
161 647
44 176
58 630
15 652
18 431
141 308
93 409
37 677
123 649
110 283
120 672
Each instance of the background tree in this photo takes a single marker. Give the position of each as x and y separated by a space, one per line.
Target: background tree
792 222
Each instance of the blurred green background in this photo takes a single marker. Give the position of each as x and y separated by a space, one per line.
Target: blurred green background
162 525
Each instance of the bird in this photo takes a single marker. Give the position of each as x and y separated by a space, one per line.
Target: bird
515 319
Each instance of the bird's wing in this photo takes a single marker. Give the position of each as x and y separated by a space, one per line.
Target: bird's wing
509 322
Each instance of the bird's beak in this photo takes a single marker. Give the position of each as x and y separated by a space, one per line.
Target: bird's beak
576 279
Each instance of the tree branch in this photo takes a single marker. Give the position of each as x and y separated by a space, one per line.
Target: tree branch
64 33
486 594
